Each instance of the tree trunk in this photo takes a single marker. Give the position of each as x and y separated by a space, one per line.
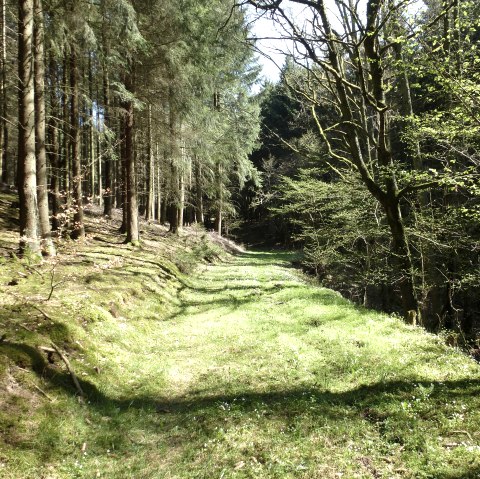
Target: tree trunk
181 202
27 180
54 149
159 186
4 99
219 206
66 180
40 121
91 134
78 226
172 211
403 257
149 210
131 182
199 216
174 176
122 175
108 177
99 152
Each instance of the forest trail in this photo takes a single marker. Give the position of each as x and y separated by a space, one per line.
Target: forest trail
268 375
242 369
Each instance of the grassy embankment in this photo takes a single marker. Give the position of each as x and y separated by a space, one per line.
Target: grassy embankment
240 370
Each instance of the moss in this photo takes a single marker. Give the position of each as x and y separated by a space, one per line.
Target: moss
92 313
57 332
22 355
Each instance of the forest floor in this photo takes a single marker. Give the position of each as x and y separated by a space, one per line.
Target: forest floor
241 368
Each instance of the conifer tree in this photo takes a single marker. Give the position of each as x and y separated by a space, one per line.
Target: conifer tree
27 180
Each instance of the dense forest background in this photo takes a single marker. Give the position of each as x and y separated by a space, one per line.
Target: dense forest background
369 154
364 154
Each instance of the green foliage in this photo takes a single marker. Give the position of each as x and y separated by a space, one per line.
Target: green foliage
402 130
343 234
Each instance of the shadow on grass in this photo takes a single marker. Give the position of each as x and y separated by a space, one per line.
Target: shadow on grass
194 419
281 403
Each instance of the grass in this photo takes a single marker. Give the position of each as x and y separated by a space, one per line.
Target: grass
242 369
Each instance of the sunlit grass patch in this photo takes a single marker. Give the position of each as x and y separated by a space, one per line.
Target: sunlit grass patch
243 369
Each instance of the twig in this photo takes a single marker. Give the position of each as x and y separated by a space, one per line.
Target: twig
31 268
47 350
463 432
52 288
52 279
70 370
43 392
45 315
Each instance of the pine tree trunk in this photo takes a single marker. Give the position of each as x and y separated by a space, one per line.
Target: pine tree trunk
122 175
159 186
131 182
91 135
78 231
54 149
99 154
108 196
181 203
40 128
4 98
172 210
66 180
149 211
199 216
27 180
219 206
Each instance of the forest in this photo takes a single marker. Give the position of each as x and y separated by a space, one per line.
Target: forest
216 272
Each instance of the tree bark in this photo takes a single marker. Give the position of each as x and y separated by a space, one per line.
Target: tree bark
219 206
54 149
108 195
4 99
66 179
131 181
149 210
181 202
402 253
199 216
91 134
47 245
78 231
172 210
159 191
27 180
99 152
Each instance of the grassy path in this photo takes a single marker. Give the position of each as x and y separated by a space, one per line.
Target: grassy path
258 374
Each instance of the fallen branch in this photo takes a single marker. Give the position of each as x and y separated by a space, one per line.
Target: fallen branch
44 314
70 370
43 392
50 352
463 432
